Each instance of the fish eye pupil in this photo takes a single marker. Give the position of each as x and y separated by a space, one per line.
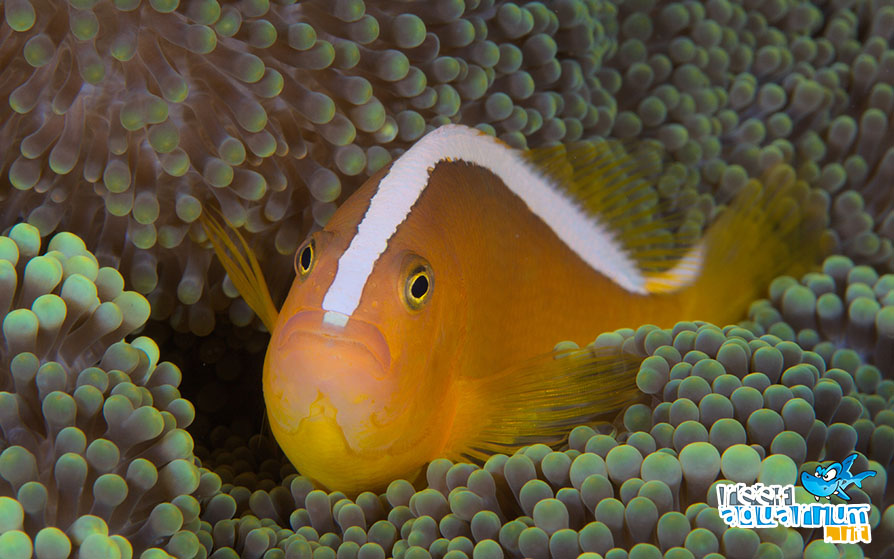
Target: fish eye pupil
306 256
304 259
419 287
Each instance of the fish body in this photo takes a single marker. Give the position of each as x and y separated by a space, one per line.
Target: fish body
421 313
833 479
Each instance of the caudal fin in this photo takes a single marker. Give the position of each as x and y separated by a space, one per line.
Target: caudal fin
775 226
242 267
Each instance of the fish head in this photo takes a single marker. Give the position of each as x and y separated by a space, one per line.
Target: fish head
824 481
357 400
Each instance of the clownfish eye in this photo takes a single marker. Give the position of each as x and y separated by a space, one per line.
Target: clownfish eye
418 287
304 259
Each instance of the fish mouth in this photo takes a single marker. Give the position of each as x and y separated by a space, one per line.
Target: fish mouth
316 371
310 326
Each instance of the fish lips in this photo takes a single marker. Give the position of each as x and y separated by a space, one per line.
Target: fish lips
317 369
359 343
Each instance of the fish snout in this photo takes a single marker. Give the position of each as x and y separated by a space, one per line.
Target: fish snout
318 370
352 334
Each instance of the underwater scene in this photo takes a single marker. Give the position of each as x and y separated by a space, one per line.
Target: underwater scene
446 279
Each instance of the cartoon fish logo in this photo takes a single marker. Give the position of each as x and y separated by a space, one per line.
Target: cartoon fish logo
832 479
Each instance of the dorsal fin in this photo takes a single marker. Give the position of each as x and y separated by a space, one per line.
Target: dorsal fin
610 180
606 213
241 266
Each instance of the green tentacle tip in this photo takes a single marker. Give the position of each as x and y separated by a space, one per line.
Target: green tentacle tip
67 243
27 238
18 466
368 117
15 545
51 543
324 185
740 463
164 137
551 515
350 159
59 408
155 109
20 16
348 10
84 24
11 514
204 12
165 519
123 47
157 553
24 173
20 326
411 125
248 68
186 544
188 208
392 65
146 208
50 311
134 307
229 22
623 462
175 163
164 6
262 34
251 116
174 88
301 36
498 106
409 30
110 490
39 50
116 176
778 469
103 455
271 84
217 172
99 546
232 151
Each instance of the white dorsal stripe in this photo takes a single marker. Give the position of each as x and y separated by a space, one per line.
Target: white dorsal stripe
407 179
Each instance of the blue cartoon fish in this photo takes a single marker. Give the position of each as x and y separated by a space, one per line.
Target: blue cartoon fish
832 479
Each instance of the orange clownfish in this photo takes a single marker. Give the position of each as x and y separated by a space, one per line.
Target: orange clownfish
416 316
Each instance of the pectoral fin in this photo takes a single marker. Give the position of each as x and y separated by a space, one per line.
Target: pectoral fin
242 266
541 399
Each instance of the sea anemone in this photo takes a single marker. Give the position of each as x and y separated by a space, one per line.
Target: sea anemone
725 406
126 118
96 459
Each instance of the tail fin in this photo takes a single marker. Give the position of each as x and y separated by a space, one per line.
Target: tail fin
242 267
774 226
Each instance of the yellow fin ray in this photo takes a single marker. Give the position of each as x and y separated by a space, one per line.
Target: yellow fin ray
540 400
685 272
774 226
242 267
609 179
